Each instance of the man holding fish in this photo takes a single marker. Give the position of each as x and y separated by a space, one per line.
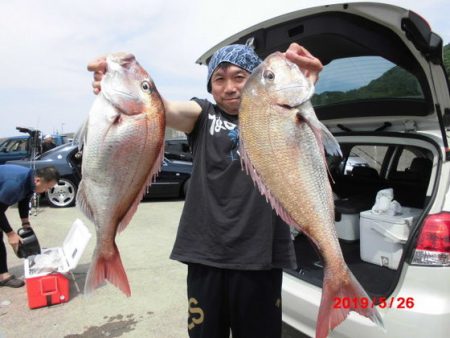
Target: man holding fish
234 244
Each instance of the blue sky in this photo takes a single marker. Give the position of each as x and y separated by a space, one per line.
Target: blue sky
46 46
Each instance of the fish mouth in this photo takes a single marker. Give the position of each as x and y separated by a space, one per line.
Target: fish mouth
124 93
115 103
123 59
296 101
126 60
290 87
285 106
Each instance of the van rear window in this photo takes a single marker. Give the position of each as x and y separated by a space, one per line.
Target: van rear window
364 78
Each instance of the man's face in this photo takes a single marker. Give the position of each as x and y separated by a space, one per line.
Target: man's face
42 185
226 87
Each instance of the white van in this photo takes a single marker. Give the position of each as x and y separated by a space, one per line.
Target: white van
384 94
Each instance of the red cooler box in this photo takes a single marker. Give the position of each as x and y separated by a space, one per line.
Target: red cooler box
45 278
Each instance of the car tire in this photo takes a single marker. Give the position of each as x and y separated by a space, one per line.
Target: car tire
63 194
186 186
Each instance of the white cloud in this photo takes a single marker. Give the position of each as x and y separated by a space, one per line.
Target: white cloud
46 46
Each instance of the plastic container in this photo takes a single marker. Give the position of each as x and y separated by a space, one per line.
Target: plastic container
47 290
382 237
29 245
347 212
347 228
47 284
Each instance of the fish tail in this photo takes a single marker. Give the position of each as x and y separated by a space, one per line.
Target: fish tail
107 268
336 304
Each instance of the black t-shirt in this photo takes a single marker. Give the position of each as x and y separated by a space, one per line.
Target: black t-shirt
226 222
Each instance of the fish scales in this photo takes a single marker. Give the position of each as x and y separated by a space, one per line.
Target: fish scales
122 153
281 147
275 145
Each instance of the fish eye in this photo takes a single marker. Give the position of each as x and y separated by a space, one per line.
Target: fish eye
146 87
269 75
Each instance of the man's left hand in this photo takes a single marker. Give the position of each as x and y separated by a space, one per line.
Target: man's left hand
26 224
310 65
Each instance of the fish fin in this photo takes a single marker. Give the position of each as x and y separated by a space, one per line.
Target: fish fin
82 202
331 315
81 134
324 137
110 269
276 205
151 177
330 144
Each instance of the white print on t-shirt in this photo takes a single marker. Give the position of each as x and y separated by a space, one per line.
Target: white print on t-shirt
218 125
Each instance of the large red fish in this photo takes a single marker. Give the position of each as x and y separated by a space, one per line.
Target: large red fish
123 150
282 147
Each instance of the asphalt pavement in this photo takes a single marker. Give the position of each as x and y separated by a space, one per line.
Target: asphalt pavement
157 306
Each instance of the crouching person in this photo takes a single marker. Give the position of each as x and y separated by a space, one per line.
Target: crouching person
17 185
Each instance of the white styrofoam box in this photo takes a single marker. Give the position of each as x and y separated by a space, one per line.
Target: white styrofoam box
382 236
348 227
60 259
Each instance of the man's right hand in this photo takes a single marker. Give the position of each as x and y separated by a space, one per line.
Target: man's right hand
98 66
308 63
13 239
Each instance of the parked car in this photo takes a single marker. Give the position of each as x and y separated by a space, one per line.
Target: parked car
177 149
14 148
25 146
172 181
384 90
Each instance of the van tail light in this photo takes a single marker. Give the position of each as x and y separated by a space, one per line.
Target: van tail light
433 243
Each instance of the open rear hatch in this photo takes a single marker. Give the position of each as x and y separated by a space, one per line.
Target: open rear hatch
387 37
383 85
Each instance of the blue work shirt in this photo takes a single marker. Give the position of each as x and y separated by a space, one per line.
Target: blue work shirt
16 186
16 183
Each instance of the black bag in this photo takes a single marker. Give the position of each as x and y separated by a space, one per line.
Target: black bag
30 244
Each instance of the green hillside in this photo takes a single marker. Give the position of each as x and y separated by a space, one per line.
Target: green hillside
396 82
447 59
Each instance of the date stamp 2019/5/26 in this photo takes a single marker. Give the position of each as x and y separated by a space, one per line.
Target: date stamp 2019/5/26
366 302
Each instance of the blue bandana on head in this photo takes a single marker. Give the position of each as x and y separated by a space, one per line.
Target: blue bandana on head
242 56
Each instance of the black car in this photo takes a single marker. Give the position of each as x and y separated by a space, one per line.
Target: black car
172 181
177 149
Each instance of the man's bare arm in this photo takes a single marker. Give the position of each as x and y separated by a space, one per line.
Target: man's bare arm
182 115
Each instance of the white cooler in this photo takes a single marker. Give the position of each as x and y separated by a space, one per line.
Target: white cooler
347 228
382 236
